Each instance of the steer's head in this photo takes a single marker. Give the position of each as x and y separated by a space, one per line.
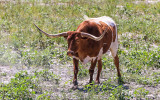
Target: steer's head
74 39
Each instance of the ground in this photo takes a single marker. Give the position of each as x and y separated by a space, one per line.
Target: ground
65 73
23 48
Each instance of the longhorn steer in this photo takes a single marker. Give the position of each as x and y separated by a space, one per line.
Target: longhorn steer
93 38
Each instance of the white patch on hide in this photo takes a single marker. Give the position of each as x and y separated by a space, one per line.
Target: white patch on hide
109 21
87 59
114 46
100 53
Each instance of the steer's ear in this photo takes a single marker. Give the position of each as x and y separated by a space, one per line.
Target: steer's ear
84 37
79 35
65 37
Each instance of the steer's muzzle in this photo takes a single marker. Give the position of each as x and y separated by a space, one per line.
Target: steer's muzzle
70 53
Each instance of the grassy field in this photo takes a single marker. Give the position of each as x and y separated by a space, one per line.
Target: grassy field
33 66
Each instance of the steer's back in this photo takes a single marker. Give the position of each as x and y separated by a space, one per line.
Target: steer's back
111 38
107 20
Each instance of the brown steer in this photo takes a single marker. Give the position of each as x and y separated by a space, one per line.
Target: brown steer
93 38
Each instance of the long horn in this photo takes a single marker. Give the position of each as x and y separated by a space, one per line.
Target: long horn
52 35
92 36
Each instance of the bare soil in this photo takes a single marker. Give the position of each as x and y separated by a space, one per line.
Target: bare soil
65 73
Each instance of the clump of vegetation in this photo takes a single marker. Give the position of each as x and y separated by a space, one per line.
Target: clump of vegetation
23 86
27 86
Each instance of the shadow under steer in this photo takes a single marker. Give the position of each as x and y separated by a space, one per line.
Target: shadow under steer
101 87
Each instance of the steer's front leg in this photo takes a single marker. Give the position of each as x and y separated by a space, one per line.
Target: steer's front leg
75 64
91 69
99 71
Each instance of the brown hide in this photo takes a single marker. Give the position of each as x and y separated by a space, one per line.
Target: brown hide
89 47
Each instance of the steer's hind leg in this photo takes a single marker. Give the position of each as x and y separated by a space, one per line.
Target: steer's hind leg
116 62
114 49
99 70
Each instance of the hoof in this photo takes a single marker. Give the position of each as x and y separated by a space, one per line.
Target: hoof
75 82
97 82
75 87
120 81
91 83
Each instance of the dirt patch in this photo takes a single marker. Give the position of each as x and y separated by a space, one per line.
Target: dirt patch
6 73
65 73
